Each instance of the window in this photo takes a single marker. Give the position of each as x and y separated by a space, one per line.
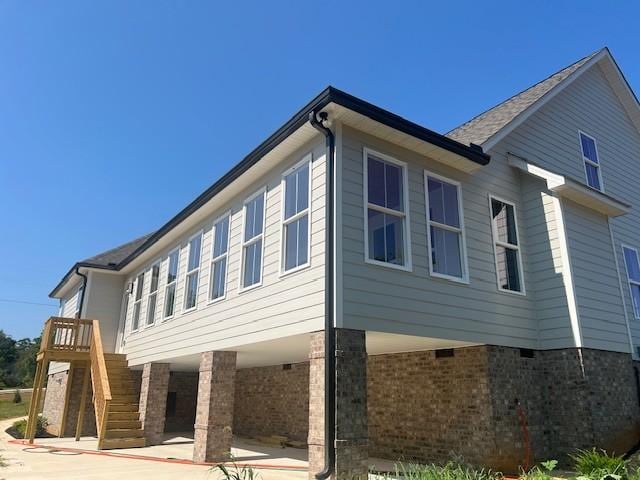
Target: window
170 289
295 216
63 302
219 252
78 300
632 263
252 241
193 271
445 238
591 161
386 218
153 294
138 302
505 246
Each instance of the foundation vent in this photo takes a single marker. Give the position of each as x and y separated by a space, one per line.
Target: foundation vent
286 366
445 353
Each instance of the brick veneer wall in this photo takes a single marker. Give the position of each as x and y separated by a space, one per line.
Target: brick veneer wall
185 387
54 404
54 400
272 401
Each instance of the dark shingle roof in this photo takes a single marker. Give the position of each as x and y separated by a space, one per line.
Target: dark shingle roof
115 255
484 126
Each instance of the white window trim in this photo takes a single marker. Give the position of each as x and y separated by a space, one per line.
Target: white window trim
133 308
463 243
243 244
507 245
586 161
631 282
283 222
190 272
149 293
219 257
408 267
168 284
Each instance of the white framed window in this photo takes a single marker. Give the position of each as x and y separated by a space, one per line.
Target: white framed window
219 254
152 297
172 280
632 264
252 240
591 161
137 304
296 199
386 211
193 273
446 237
506 246
78 300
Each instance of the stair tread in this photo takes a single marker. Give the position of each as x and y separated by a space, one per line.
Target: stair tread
112 443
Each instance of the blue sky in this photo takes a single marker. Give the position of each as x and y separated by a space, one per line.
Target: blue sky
114 115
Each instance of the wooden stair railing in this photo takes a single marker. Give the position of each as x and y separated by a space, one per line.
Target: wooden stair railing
100 383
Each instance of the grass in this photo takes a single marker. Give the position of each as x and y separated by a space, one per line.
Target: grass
8 409
450 471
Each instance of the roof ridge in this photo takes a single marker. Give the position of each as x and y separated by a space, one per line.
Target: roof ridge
572 66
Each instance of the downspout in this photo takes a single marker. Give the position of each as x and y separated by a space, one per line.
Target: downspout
317 121
84 289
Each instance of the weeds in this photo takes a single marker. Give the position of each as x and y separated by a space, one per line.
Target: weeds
19 428
450 471
540 472
236 472
597 464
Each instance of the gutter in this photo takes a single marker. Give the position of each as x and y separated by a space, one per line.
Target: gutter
317 120
84 290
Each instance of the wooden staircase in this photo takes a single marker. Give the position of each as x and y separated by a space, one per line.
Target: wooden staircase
115 395
123 428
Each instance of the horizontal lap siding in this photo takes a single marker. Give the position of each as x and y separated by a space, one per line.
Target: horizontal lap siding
550 138
280 307
383 299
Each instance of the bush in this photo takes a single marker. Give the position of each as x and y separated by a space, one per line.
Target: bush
450 471
19 428
597 464
17 398
540 472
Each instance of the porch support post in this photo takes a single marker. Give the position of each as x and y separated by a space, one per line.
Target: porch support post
83 399
153 400
67 396
351 439
214 411
36 397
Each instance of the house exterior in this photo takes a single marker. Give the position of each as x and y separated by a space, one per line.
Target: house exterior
484 286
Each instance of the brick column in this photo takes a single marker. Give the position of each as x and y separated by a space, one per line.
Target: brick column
214 411
351 405
153 400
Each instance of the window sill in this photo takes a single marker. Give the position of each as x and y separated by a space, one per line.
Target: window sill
449 278
512 292
249 288
297 269
217 300
392 266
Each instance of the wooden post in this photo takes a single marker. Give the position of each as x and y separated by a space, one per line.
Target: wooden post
38 394
83 399
67 397
33 409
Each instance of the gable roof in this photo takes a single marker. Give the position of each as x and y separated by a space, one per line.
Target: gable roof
119 257
485 125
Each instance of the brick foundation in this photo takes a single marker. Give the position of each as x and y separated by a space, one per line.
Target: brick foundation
54 404
272 401
153 400
183 386
351 452
214 412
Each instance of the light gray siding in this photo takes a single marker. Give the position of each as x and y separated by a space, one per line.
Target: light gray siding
103 302
545 261
597 288
550 138
383 299
283 305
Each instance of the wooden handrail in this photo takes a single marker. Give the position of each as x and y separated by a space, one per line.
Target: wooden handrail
99 382
66 335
